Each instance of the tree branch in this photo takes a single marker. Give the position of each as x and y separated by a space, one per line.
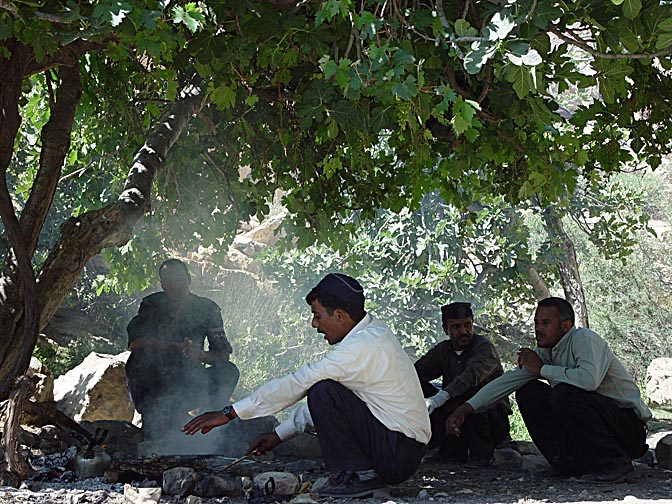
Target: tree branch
86 235
66 56
594 52
55 146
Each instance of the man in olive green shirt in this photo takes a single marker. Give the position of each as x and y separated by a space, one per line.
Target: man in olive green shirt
589 420
464 362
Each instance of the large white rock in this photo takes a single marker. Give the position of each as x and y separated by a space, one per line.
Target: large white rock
95 390
659 383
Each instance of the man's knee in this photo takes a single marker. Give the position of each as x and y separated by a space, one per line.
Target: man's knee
563 396
327 394
529 393
233 373
322 390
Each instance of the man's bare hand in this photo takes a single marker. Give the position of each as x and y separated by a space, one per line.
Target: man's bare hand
191 351
205 423
263 443
455 421
528 359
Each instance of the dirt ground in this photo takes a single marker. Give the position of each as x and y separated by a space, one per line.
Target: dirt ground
433 482
454 483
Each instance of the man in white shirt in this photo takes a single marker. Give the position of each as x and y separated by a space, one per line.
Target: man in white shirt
364 398
589 420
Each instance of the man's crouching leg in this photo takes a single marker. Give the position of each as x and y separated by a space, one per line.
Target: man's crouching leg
356 445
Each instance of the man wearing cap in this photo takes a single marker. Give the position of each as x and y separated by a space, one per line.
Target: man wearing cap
465 362
589 420
364 398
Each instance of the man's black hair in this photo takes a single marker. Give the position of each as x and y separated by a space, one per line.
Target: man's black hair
174 264
563 307
339 292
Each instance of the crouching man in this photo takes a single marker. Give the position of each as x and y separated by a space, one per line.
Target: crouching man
589 420
364 398
465 362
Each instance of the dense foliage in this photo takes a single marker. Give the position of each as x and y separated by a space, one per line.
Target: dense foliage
342 109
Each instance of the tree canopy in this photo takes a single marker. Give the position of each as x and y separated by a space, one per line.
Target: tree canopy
345 107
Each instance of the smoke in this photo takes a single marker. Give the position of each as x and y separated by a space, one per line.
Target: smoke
270 336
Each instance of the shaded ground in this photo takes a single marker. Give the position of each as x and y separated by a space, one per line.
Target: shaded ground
453 483
434 482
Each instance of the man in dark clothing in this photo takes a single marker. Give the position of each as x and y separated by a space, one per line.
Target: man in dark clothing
165 371
465 362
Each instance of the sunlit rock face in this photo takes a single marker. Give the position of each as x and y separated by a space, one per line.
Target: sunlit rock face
95 390
659 383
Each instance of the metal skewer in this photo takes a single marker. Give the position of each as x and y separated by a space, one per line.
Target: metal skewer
238 460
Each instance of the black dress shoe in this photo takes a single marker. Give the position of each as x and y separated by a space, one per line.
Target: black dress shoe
352 488
617 473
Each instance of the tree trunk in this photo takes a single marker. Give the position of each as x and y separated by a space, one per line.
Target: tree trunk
10 439
567 266
81 237
18 294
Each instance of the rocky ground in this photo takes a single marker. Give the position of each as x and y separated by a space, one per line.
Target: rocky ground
434 482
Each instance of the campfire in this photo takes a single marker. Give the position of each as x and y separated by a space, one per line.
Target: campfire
51 448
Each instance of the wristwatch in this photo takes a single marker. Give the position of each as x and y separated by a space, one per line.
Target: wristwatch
228 412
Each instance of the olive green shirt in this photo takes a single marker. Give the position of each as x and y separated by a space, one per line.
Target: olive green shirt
581 358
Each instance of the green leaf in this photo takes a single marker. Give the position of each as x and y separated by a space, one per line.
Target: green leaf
531 58
112 12
332 8
629 40
464 113
523 79
329 68
540 110
223 96
464 29
664 41
478 56
190 16
499 27
382 118
631 8
611 78
5 26
517 47
547 11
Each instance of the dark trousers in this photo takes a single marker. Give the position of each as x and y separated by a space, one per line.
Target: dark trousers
580 431
352 439
481 432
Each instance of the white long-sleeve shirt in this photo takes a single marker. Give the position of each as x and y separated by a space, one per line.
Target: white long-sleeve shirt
371 363
581 358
